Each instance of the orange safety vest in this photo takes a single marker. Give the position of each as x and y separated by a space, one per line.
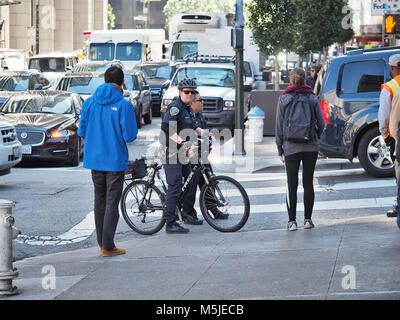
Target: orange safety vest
393 86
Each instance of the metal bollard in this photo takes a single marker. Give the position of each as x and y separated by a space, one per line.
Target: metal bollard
7 234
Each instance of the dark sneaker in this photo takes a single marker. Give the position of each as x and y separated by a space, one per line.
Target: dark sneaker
219 215
308 224
188 219
398 221
175 228
292 226
392 213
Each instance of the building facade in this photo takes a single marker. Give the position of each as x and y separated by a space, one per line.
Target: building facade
139 14
61 24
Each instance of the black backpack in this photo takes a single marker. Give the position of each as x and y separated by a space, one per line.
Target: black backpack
299 120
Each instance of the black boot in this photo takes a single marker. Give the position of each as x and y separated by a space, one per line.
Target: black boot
175 228
219 215
189 219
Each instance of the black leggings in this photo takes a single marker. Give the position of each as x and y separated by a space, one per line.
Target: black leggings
292 164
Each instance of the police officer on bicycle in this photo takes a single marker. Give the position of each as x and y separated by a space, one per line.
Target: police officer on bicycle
178 117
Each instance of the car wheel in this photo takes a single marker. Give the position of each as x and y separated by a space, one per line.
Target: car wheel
77 154
139 118
148 118
374 154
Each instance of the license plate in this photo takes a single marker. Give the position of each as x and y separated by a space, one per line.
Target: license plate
26 149
16 152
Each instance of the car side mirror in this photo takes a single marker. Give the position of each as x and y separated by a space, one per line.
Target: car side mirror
166 84
146 87
127 93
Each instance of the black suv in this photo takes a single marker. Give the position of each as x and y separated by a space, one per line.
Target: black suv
348 88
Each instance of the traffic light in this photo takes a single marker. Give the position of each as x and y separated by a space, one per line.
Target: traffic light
392 24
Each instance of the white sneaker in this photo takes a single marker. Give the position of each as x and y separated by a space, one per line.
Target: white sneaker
292 226
308 224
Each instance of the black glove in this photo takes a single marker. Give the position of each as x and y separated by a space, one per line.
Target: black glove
390 142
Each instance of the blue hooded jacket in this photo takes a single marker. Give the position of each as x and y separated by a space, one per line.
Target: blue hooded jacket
107 123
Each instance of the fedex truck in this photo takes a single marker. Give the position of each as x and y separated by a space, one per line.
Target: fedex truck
130 46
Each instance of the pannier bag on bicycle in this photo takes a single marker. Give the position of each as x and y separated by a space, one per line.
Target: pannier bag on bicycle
136 170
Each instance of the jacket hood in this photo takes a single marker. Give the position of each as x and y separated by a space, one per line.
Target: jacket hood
107 94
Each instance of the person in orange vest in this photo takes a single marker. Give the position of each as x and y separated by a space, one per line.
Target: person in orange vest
389 117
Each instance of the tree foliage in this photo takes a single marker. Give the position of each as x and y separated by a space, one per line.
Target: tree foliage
111 17
298 25
272 24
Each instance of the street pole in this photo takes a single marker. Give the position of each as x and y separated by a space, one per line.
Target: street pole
237 44
37 26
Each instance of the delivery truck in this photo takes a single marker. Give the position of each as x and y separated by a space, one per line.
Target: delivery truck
130 46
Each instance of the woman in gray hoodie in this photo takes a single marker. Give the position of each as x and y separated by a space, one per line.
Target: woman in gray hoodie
293 153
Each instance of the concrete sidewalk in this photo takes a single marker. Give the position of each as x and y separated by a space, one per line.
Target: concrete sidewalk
352 259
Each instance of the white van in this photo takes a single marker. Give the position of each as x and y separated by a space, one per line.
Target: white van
54 65
130 46
10 148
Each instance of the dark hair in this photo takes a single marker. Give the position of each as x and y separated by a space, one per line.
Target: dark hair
115 75
297 76
317 67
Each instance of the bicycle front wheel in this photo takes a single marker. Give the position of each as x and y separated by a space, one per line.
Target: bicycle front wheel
224 204
142 207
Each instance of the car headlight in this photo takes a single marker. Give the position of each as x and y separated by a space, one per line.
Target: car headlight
61 133
166 103
229 105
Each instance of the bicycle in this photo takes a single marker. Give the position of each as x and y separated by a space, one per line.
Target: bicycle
142 201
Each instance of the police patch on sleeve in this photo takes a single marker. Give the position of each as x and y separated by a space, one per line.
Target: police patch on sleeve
174 111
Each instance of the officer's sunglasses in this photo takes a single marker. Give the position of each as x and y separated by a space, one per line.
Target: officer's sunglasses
200 100
187 92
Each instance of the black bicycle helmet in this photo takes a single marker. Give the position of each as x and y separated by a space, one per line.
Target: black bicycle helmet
187 83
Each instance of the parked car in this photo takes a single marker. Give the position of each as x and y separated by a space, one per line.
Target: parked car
95 66
10 147
13 81
216 84
135 90
156 74
349 88
46 124
54 65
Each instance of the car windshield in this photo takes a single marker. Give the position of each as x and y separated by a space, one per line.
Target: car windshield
16 83
85 85
102 51
211 77
159 72
129 51
48 64
55 104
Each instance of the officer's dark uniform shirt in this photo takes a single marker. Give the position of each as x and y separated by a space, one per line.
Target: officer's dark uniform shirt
201 122
177 118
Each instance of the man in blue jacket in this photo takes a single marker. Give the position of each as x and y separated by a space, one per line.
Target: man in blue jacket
107 124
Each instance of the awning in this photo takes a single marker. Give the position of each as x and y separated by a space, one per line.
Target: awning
9 2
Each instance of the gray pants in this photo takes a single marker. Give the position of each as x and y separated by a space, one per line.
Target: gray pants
107 194
397 173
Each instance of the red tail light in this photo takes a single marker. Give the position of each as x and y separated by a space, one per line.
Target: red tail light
325 110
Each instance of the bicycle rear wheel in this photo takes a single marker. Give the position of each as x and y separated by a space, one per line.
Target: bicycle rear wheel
142 207
229 197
